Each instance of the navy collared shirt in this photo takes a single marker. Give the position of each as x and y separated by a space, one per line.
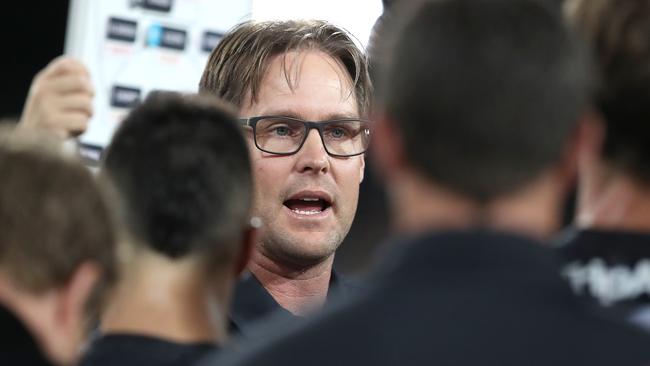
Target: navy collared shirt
252 303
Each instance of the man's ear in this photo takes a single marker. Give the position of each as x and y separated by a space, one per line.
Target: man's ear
76 293
249 240
387 153
70 314
589 142
584 148
591 139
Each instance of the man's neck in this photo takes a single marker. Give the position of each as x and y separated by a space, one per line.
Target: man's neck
421 206
299 291
614 201
166 299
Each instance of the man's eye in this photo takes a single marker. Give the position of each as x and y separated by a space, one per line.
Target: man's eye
338 132
281 130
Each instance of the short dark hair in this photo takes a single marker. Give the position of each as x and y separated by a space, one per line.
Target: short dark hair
53 215
619 31
180 166
485 92
239 62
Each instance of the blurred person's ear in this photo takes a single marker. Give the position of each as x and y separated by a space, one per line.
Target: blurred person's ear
589 165
70 313
582 152
591 138
388 152
249 240
584 146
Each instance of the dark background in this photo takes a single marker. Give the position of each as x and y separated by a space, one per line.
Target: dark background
33 33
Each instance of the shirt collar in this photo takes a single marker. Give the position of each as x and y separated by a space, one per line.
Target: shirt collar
252 303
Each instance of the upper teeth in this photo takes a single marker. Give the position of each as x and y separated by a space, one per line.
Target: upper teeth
310 199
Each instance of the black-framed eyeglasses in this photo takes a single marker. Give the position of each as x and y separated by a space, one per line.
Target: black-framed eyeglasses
281 135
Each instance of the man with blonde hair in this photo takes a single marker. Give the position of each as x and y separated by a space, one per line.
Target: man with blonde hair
302 91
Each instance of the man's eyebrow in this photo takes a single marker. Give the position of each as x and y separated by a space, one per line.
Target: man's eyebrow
341 116
327 117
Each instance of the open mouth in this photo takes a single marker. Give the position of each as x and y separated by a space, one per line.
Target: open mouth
307 205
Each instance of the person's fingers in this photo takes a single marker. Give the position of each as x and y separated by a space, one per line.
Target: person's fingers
78 102
77 124
60 99
65 65
72 83
69 123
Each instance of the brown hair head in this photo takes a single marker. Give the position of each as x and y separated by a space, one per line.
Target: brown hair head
53 217
238 64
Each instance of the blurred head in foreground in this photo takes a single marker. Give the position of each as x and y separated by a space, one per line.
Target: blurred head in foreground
56 243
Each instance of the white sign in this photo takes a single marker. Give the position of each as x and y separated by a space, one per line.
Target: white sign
132 47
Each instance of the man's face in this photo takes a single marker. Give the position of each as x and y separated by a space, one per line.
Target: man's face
307 200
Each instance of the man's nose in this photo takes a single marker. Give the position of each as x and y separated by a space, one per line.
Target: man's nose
313 157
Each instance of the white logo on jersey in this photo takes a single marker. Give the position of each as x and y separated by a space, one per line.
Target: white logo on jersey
609 284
